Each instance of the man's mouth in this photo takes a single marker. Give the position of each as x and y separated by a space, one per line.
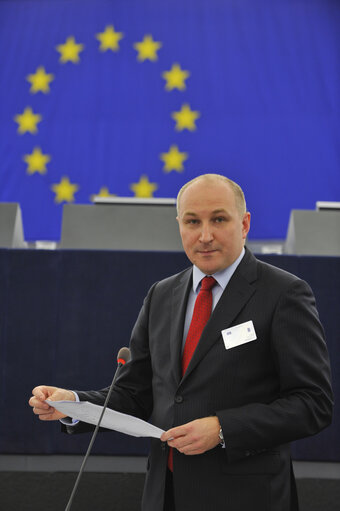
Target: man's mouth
208 251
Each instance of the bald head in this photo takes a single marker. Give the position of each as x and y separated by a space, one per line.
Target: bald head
240 201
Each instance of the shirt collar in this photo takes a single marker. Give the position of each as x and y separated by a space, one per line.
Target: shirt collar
222 277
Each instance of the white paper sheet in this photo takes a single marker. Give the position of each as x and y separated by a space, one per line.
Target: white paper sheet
88 412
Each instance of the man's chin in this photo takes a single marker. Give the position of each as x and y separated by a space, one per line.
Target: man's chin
207 265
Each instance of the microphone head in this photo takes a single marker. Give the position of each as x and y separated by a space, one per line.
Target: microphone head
123 355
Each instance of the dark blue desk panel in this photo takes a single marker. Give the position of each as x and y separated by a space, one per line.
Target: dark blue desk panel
65 314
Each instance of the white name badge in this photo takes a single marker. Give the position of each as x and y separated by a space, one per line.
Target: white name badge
239 334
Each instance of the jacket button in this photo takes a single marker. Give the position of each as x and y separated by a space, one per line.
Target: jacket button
178 399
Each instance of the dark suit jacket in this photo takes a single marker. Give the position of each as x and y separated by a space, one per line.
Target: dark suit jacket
266 393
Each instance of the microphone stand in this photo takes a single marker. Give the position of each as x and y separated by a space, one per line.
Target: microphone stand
121 361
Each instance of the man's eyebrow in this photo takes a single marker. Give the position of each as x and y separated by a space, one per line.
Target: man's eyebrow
189 213
221 210
215 212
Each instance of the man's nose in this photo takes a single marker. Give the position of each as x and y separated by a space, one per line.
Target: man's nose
206 234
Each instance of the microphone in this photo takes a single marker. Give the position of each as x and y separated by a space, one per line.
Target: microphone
122 357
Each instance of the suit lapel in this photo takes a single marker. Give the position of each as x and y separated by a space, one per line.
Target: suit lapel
178 310
235 296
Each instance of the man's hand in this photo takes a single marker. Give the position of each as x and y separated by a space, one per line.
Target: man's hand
195 437
42 409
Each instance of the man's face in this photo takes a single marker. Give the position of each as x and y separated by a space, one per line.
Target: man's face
212 229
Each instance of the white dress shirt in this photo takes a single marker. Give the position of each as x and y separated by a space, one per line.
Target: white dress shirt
222 278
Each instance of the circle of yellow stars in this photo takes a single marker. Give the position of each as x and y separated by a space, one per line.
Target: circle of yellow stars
69 51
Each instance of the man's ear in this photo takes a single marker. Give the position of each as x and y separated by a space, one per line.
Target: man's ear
245 224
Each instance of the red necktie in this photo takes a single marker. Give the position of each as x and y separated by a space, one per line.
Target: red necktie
201 314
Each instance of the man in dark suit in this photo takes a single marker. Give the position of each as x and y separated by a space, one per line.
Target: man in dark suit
258 379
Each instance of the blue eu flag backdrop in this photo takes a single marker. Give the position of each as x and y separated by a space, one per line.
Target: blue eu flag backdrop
134 98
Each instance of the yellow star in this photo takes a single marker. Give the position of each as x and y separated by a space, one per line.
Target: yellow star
36 161
174 159
175 78
103 192
144 188
147 49
64 190
185 118
40 81
69 51
27 121
109 39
